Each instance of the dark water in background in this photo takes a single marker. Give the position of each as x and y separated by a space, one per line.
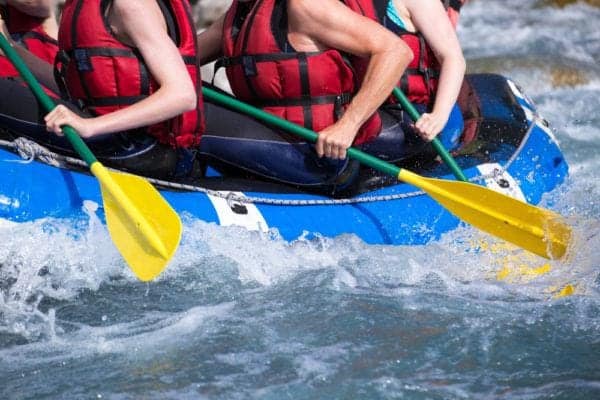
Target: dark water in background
331 319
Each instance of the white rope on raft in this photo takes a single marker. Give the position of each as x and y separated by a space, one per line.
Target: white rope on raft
30 150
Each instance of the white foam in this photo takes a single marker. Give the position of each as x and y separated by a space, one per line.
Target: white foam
5 223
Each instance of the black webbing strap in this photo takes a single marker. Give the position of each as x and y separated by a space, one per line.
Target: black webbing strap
305 89
258 58
431 73
341 99
60 64
112 101
21 37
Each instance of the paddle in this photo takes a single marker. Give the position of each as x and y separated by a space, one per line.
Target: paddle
437 145
143 226
535 229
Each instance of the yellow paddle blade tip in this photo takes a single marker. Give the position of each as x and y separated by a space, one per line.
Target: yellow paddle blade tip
566 291
143 226
557 235
532 228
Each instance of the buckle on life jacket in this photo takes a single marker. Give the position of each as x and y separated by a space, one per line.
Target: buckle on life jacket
338 104
18 38
249 64
82 58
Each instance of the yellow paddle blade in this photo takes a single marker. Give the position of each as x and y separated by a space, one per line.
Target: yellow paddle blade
143 226
535 229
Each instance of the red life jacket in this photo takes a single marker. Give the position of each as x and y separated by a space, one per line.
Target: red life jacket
29 32
419 81
311 89
104 75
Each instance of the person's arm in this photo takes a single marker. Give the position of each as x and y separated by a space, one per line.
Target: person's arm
333 25
43 71
35 8
430 18
143 23
210 42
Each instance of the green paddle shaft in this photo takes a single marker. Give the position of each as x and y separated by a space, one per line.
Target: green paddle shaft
290 127
48 104
437 145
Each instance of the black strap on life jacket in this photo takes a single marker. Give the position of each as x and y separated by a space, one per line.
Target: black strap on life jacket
167 12
380 8
22 37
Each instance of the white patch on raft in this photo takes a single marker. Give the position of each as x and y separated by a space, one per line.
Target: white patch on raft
248 215
501 181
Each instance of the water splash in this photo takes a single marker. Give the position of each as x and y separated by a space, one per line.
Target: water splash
325 318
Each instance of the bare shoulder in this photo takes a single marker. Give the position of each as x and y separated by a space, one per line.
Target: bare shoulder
324 13
136 9
426 5
310 8
299 4
137 17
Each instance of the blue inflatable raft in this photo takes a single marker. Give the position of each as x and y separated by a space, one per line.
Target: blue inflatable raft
513 152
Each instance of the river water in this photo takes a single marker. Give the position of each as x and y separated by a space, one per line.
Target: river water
241 315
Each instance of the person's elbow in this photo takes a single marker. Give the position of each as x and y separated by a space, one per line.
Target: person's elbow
190 102
402 53
187 98
454 60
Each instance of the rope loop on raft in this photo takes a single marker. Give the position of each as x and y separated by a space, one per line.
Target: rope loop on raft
29 151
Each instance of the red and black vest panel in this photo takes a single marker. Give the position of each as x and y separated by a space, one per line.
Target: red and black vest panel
29 32
311 89
104 75
419 81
